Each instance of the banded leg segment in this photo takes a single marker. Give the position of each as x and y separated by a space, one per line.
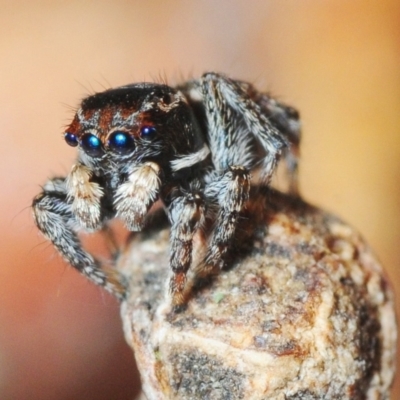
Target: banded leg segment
233 189
287 120
226 97
54 217
186 214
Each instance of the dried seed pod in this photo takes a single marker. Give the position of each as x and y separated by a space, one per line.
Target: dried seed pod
304 313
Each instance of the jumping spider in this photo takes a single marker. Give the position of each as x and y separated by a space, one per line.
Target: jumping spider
192 146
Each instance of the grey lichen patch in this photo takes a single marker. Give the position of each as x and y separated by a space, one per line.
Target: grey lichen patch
201 376
304 395
303 311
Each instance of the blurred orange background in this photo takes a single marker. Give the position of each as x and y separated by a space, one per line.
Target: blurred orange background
337 61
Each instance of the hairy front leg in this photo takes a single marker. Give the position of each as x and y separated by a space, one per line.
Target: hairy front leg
134 197
54 216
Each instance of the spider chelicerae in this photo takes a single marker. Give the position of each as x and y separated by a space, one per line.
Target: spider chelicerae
192 146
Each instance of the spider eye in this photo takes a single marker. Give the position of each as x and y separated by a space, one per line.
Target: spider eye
92 145
121 142
148 132
71 139
167 99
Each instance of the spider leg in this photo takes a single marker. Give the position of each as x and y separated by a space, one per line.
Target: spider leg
232 193
54 216
225 101
287 120
186 214
224 104
292 167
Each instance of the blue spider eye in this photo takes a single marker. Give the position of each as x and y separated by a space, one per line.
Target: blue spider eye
148 132
121 142
71 139
92 145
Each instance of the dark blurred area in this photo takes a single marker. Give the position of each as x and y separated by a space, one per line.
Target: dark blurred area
338 62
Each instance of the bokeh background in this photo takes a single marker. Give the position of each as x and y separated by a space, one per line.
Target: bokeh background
337 61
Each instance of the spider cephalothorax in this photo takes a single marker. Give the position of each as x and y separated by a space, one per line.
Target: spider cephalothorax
192 146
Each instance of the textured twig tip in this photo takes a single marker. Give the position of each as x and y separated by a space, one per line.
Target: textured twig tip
304 313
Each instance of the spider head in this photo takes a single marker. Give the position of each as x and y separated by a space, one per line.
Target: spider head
144 121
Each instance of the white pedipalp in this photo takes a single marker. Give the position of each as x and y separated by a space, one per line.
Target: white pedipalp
135 196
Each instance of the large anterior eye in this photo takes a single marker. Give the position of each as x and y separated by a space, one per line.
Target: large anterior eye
121 142
92 145
148 132
71 139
